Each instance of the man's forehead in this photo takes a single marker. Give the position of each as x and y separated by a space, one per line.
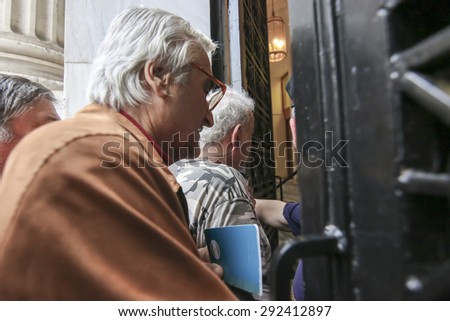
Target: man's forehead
46 114
45 111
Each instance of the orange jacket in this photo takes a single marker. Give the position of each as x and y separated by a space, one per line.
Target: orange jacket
90 212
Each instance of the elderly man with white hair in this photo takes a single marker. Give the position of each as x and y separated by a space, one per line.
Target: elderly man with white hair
24 106
93 212
216 190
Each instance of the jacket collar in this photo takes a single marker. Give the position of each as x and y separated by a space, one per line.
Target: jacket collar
100 111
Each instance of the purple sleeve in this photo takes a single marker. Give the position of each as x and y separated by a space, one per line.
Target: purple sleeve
292 214
298 286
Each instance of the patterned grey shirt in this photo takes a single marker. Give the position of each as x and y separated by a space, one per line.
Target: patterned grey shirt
217 195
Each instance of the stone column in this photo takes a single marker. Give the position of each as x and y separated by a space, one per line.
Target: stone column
32 40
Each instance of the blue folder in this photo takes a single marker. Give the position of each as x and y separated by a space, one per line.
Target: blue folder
236 248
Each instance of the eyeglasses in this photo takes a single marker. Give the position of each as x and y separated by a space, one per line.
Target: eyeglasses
217 91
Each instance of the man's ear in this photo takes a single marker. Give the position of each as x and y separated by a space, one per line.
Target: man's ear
157 80
236 136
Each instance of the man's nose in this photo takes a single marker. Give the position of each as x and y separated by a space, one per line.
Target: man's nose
208 120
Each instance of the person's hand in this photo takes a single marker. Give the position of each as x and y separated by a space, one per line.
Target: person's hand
204 255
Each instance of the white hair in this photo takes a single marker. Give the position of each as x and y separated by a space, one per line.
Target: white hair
134 37
17 95
235 108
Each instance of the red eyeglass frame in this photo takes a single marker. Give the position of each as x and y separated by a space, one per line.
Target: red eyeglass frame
220 84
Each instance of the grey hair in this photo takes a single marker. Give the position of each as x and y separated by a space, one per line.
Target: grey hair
235 108
134 37
17 95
